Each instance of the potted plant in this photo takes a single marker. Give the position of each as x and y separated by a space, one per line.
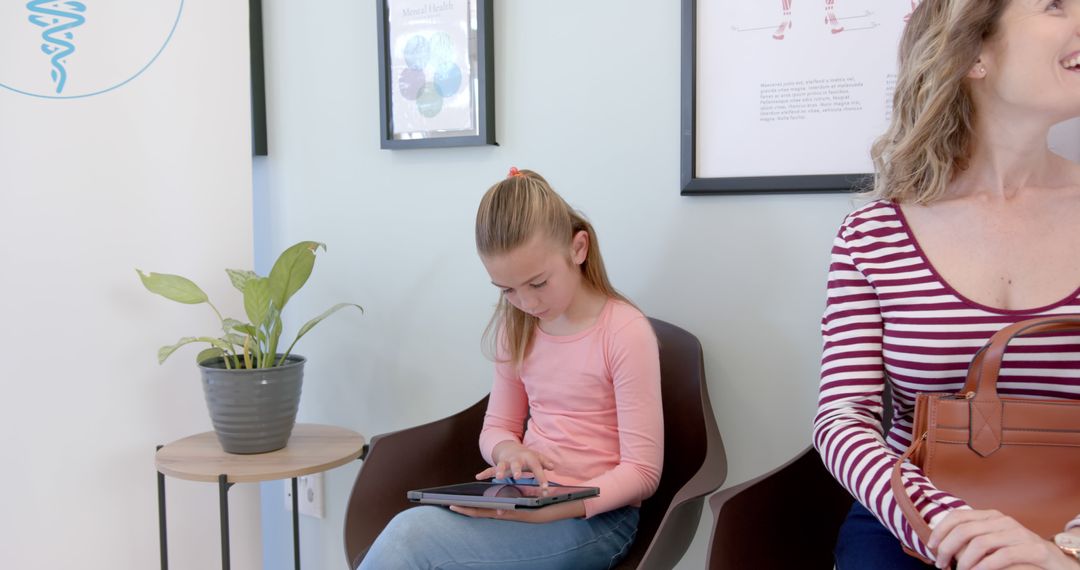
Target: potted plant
252 389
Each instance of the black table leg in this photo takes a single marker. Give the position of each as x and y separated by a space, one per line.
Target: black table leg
223 499
295 525
161 520
223 502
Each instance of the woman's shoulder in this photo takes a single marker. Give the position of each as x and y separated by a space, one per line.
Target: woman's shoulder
872 219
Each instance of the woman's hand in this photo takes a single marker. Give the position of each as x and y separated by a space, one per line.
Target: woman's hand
989 540
549 513
512 459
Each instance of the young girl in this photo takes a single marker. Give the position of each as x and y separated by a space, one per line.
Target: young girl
577 361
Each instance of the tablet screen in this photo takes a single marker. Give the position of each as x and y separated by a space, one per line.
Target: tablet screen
504 490
487 494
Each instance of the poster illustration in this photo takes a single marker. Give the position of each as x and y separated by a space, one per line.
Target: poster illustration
431 70
793 87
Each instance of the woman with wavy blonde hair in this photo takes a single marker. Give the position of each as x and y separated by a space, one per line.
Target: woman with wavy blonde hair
972 227
931 132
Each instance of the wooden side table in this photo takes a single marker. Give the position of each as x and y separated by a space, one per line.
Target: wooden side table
311 449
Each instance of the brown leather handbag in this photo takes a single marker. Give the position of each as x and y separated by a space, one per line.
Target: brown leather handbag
1020 456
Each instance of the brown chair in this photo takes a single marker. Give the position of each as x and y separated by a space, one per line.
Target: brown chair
786 518
446 451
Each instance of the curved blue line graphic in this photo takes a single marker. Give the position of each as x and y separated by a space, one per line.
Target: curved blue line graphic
172 31
58 48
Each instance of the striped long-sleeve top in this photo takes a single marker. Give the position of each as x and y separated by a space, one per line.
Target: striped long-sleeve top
890 317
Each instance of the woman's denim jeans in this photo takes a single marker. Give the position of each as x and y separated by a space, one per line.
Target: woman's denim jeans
865 544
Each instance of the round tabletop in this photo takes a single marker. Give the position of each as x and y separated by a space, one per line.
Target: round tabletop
312 448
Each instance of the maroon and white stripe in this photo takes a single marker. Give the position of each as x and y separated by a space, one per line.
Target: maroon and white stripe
890 317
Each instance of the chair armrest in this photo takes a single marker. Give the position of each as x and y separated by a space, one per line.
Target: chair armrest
710 476
800 499
680 522
438 453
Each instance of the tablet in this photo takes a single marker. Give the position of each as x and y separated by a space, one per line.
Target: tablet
487 495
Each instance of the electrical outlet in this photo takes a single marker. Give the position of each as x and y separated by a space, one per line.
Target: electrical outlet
309 490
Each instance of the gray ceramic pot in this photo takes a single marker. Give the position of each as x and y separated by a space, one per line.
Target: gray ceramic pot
253 411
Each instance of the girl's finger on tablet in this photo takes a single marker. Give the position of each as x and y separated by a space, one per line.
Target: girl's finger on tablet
537 468
515 468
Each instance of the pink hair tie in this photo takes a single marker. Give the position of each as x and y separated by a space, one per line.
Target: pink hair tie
514 172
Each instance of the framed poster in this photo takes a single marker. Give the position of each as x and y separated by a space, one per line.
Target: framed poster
785 95
436 79
258 80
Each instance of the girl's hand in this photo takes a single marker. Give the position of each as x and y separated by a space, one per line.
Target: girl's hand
550 513
989 540
512 459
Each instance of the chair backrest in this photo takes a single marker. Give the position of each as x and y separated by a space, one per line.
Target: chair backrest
694 460
421 456
746 518
446 450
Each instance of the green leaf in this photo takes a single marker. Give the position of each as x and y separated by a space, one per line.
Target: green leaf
273 333
244 328
166 351
257 300
209 353
230 325
291 271
311 324
240 277
173 287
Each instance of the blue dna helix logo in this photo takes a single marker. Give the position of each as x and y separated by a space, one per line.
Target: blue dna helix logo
58 19
71 49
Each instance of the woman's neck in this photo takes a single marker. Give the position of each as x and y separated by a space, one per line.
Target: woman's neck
1005 159
1009 152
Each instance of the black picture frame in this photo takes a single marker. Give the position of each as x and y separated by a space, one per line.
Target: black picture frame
691 184
259 145
481 82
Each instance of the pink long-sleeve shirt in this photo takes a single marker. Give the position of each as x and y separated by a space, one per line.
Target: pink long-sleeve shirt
891 318
594 408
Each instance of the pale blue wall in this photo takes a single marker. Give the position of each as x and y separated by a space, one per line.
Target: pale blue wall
587 94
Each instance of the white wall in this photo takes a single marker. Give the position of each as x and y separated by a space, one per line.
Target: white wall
156 175
588 95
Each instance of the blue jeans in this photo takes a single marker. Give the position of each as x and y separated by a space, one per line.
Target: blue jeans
865 543
430 537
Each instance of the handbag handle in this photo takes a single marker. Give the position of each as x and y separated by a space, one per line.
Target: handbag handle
987 362
980 387
911 514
